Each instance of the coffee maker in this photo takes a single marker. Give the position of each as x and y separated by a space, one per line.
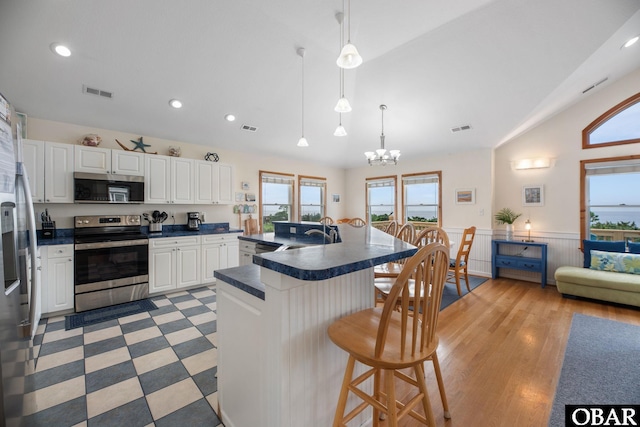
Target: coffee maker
193 221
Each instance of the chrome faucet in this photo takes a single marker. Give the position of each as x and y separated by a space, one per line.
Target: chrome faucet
332 237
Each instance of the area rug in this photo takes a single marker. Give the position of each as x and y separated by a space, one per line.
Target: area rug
450 293
98 315
600 366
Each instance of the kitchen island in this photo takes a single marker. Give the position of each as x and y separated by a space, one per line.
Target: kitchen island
276 364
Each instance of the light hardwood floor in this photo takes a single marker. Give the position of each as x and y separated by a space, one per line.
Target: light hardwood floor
501 352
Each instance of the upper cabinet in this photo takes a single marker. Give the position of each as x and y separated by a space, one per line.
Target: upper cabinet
176 180
214 183
49 166
169 180
104 160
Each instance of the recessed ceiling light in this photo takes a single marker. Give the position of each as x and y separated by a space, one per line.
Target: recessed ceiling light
631 41
60 49
229 117
175 103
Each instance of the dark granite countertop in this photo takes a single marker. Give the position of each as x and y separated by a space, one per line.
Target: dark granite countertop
270 239
181 230
64 236
360 248
245 278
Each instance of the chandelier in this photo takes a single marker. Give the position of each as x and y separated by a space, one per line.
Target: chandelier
382 157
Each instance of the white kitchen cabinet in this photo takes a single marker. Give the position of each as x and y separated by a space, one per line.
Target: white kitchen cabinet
188 266
246 251
33 159
157 179
49 166
182 181
104 160
57 278
169 180
174 262
218 251
127 163
214 183
92 159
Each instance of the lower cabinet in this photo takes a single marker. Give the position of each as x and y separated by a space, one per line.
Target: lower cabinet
57 278
218 251
246 251
174 262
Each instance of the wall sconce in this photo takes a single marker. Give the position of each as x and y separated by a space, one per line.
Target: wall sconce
540 163
527 226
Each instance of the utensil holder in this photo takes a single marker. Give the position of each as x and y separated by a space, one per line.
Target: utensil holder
49 229
155 227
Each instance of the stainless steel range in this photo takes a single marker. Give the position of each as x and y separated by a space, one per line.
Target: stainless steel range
111 261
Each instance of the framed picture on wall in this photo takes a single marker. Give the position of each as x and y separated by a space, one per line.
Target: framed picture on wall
465 196
533 195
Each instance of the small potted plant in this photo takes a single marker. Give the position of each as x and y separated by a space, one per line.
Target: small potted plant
507 216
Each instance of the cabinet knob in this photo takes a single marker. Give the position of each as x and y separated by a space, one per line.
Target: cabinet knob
70 260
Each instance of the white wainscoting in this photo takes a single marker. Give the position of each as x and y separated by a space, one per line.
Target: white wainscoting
563 249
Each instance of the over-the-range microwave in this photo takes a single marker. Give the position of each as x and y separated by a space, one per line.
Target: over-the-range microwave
107 188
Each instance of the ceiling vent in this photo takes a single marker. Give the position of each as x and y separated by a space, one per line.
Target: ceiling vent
460 128
249 128
94 91
595 84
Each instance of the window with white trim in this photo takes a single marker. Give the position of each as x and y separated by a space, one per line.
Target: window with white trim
276 201
381 199
312 198
421 197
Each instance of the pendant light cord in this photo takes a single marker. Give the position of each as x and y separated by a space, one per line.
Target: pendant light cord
302 93
342 44
349 23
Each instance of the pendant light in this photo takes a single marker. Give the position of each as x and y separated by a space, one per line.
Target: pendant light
302 142
340 130
382 157
349 56
343 105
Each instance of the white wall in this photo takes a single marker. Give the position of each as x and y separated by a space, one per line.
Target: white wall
558 221
247 167
559 138
471 169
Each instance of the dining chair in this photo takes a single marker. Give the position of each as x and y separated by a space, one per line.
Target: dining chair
327 220
431 234
392 228
406 233
384 282
458 266
389 341
357 222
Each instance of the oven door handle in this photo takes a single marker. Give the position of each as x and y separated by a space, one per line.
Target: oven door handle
102 245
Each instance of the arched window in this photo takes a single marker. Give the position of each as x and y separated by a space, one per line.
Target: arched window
619 125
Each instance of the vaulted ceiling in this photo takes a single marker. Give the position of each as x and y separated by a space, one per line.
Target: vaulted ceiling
500 66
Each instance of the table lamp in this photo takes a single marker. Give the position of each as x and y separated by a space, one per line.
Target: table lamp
527 226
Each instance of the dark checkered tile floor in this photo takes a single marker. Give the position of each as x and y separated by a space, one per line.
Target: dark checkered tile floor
153 368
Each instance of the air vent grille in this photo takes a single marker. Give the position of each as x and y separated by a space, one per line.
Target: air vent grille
249 128
460 128
98 92
595 84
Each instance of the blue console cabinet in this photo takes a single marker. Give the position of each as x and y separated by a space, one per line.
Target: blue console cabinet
519 262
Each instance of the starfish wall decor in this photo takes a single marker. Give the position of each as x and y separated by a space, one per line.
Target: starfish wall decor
139 144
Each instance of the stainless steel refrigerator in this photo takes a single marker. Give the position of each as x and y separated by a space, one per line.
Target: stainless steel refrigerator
20 296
